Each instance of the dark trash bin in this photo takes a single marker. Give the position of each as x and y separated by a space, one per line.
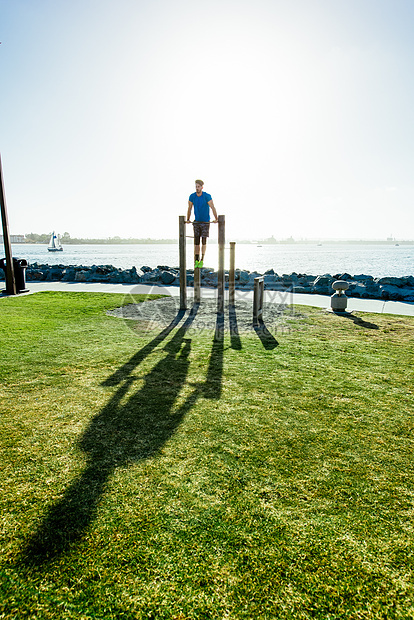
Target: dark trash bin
19 266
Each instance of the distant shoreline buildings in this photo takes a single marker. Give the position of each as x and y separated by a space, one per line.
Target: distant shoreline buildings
67 240
15 239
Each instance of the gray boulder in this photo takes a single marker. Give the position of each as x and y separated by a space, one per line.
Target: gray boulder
35 274
253 275
301 289
363 278
322 284
343 276
68 275
115 277
395 293
305 280
243 277
408 281
389 280
167 277
356 289
81 276
150 276
209 278
54 274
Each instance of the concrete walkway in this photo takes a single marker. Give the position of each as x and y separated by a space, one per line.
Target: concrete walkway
319 301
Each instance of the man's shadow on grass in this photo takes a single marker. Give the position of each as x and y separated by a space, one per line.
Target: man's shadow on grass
130 428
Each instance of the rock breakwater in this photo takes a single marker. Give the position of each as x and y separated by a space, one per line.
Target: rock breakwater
360 285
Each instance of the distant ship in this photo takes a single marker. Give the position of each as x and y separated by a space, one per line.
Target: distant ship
54 243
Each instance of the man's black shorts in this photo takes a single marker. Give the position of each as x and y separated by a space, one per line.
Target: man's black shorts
201 229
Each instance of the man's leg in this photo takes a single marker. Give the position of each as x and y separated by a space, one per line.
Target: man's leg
196 227
205 231
203 247
196 252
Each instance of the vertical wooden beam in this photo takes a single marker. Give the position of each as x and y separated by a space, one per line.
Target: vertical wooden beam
183 266
258 296
231 272
220 281
10 278
197 295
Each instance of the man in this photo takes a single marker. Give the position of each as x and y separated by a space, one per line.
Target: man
202 203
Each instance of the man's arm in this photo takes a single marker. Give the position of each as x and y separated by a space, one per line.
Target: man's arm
190 206
213 208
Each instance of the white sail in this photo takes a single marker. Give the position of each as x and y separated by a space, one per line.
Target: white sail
54 243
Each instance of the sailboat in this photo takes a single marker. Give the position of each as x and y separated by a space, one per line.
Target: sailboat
54 243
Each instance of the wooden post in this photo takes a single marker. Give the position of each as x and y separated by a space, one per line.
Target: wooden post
231 272
258 295
183 266
197 295
220 280
10 279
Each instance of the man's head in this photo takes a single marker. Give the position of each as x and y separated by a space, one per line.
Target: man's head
199 186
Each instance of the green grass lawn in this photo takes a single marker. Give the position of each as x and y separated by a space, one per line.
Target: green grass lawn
167 474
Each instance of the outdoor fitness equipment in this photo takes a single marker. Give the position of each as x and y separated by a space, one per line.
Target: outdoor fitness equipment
220 280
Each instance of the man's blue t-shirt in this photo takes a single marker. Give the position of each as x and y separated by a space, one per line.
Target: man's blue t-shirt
201 208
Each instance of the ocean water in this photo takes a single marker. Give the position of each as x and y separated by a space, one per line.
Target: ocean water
314 259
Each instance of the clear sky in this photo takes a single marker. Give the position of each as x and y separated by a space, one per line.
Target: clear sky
297 114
